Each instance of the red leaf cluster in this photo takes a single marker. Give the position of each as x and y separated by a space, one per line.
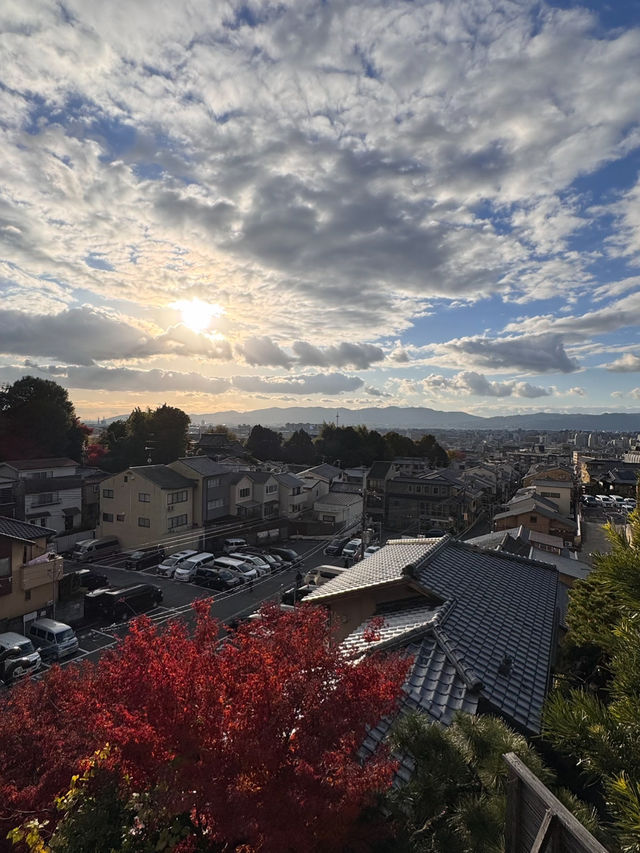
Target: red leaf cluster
257 739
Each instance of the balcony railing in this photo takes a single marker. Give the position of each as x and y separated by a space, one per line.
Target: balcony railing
41 574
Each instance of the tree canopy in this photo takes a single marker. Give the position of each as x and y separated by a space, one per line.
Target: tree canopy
37 420
593 716
249 746
159 435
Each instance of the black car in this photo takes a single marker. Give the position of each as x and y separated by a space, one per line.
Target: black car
220 579
334 548
90 579
295 594
288 554
122 602
144 558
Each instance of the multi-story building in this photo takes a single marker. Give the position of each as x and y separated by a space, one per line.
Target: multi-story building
211 487
45 492
292 496
438 499
149 504
29 573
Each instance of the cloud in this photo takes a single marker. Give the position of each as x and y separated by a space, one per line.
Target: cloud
628 363
85 335
580 392
533 353
263 351
128 379
317 383
470 382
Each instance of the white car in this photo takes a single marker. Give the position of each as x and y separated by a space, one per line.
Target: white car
261 566
352 548
605 500
371 550
168 566
186 570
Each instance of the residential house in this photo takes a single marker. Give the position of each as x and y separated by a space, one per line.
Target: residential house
378 479
291 494
561 492
29 573
537 514
45 492
621 481
91 479
437 499
540 472
212 483
341 509
149 504
254 495
480 625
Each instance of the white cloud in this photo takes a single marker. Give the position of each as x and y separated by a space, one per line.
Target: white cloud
627 363
532 353
470 382
317 383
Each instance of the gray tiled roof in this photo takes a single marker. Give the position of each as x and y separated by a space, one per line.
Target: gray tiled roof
499 622
204 466
524 507
163 476
324 470
22 530
289 480
41 464
339 499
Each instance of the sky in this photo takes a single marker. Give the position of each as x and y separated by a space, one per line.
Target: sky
361 203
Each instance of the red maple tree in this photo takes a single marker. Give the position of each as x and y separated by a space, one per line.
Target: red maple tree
256 740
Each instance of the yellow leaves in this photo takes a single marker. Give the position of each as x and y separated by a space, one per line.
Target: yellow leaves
29 834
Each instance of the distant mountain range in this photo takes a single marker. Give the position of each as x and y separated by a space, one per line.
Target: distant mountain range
397 417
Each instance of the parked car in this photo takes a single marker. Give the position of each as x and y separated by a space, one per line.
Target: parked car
604 500
91 550
17 657
288 554
371 550
220 579
296 594
90 579
54 640
245 570
233 544
352 548
589 500
144 557
121 602
274 562
322 574
168 566
260 565
334 548
186 570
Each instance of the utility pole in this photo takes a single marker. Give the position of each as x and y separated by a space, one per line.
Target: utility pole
337 419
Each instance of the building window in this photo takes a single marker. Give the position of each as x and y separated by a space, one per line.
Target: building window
177 521
5 567
215 504
213 484
533 519
177 497
107 493
120 516
144 522
27 595
107 516
144 497
270 489
245 493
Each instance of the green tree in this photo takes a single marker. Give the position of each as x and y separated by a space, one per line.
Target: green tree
37 419
264 443
398 445
300 449
428 448
598 725
168 434
455 801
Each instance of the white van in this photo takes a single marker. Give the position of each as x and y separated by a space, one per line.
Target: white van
238 566
323 574
261 566
54 640
90 550
230 545
168 566
186 570
27 662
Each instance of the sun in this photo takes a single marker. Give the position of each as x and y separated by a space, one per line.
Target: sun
196 314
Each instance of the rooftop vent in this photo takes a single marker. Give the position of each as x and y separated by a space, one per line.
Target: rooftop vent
505 665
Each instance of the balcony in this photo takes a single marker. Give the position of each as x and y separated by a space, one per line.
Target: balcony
41 573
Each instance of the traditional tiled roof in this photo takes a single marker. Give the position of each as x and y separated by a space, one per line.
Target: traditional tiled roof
41 464
339 499
496 625
289 480
22 530
324 471
163 476
204 466
535 506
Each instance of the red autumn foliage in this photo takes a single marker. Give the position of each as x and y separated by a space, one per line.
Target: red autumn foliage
259 738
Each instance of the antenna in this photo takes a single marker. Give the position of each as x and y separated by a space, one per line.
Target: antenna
337 419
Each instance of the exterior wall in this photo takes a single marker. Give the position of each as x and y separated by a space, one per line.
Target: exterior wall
38 473
120 515
238 498
268 496
211 498
538 522
47 508
338 513
560 495
292 501
30 588
349 611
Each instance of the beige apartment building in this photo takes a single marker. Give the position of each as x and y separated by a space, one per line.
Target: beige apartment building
149 505
29 574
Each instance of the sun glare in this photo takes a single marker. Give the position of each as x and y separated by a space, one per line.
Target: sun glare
196 314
